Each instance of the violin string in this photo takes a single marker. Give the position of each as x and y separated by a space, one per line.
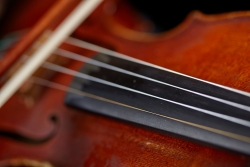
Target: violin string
68 71
74 56
99 49
66 27
43 82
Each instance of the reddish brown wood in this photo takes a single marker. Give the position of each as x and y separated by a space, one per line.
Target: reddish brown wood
60 8
214 48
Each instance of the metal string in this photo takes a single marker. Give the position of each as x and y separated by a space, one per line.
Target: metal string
89 46
74 56
66 27
54 85
68 71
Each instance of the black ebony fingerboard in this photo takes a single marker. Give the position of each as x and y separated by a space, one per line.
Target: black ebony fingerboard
156 105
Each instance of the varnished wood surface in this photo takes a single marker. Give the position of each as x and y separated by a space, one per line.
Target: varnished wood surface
211 48
28 18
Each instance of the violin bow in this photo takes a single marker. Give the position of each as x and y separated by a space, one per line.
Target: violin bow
73 20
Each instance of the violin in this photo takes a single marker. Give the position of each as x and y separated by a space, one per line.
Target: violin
86 85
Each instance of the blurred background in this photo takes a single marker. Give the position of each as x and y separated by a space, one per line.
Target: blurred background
167 14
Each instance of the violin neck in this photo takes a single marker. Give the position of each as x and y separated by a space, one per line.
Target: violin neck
161 99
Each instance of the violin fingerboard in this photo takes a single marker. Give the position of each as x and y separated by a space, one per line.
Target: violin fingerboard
164 101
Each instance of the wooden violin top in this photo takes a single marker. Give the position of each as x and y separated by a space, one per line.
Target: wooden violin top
45 130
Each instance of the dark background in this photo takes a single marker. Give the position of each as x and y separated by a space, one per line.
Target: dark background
166 14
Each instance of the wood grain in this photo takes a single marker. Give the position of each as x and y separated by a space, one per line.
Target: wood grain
214 48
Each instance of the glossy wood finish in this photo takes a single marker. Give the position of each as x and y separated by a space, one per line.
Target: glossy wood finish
214 48
46 22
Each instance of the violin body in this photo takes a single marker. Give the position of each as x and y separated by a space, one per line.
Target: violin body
213 48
